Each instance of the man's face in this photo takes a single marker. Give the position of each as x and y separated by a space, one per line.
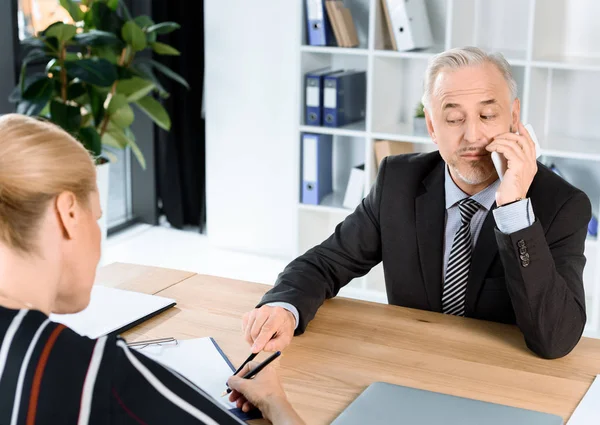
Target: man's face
469 107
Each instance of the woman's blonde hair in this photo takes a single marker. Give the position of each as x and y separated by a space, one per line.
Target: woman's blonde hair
38 161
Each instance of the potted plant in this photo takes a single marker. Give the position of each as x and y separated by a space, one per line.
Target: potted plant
419 124
86 76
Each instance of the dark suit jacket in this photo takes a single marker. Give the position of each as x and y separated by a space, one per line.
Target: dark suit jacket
401 222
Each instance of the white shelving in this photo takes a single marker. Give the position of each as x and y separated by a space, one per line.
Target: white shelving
356 129
335 50
573 63
553 50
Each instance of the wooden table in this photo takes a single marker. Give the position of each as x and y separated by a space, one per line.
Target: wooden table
351 344
145 279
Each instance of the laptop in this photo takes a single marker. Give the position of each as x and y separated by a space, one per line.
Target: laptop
382 404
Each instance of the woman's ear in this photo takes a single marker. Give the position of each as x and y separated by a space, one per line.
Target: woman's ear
68 216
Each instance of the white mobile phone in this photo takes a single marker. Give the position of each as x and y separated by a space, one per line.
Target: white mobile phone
499 160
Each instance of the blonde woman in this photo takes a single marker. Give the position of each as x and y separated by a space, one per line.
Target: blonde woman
49 250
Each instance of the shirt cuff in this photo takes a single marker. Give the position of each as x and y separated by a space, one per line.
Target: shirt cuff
514 217
289 308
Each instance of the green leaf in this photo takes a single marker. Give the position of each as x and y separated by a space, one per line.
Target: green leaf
164 27
63 32
90 138
144 21
97 104
87 120
88 19
66 116
124 73
73 9
32 55
155 111
53 24
15 94
38 88
123 117
116 102
144 70
33 42
99 72
169 73
30 108
135 88
106 52
130 135
96 38
112 4
135 148
115 137
112 139
45 112
164 49
38 92
52 66
104 19
134 36
151 37
125 9
83 100
75 90
138 153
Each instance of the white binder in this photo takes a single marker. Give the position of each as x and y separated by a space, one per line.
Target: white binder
409 23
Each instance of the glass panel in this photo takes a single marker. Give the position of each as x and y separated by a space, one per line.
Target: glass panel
35 16
119 199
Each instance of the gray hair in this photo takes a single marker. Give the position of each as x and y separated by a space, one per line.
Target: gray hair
459 58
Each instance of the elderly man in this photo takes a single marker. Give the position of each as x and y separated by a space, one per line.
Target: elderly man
452 236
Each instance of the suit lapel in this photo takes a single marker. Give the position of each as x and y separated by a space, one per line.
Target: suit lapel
484 252
430 220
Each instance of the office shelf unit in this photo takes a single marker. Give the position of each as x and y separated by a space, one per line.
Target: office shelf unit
552 48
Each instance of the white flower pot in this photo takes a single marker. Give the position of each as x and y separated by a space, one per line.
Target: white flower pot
419 126
102 178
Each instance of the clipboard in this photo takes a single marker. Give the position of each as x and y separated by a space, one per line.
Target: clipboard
175 354
112 311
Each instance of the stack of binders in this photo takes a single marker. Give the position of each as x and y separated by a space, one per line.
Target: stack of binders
335 98
329 23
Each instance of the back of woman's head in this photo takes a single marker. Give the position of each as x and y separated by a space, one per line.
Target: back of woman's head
38 161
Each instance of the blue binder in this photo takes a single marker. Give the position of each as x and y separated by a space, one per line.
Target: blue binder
344 98
318 28
317 159
313 84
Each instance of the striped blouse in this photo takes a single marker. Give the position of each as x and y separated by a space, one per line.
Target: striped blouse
51 375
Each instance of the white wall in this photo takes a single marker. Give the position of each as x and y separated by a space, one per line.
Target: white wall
252 106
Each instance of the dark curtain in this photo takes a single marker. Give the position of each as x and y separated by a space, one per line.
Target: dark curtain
180 152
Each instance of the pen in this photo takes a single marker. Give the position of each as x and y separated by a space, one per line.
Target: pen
257 369
250 358
151 342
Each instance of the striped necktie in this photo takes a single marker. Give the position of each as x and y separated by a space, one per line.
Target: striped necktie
459 262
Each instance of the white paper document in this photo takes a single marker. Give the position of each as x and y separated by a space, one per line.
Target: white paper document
111 309
588 410
199 361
